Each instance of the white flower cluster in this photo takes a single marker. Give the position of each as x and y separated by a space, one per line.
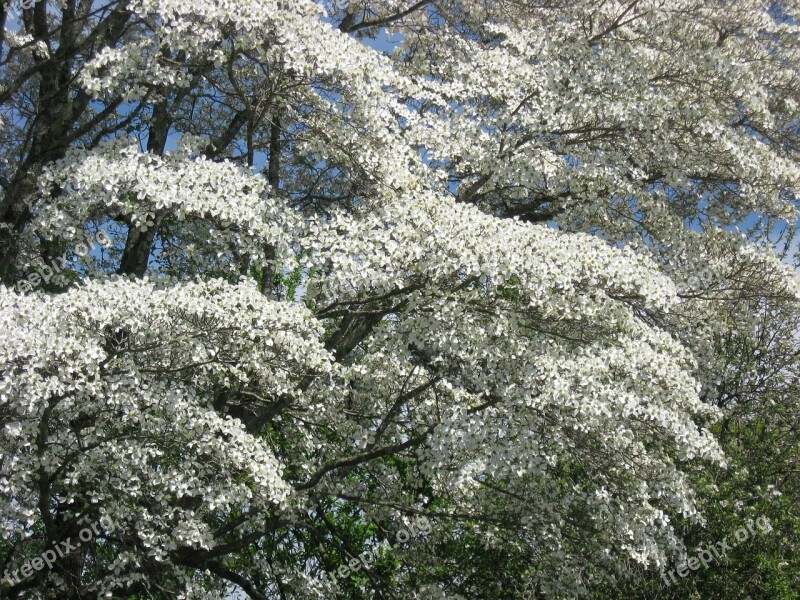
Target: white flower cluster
430 235
116 178
111 386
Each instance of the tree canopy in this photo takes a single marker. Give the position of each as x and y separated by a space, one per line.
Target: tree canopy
283 280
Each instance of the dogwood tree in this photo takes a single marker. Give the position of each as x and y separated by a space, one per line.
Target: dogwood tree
370 261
